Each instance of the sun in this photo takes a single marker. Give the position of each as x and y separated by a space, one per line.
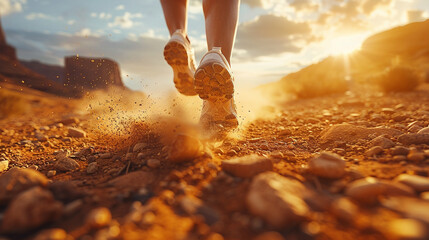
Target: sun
344 45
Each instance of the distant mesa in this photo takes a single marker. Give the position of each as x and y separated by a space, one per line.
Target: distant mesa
79 76
84 73
5 49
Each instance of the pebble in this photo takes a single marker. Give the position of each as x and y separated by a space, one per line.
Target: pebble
51 173
139 147
418 183
98 218
400 150
185 148
53 234
41 137
31 209
76 132
367 190
406 229
137 179
65 164
247 166
4 165
190 204
374 151
44 128
424 131
382 142
327 165
400 158
153 163
17 180
277 199
105 155
269 236
414 138
72 207
410 207
415 155
344 209
69 121
92 168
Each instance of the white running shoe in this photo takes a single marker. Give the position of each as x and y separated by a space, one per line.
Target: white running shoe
180 56
214 84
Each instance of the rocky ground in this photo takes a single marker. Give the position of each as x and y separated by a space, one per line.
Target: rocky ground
351 166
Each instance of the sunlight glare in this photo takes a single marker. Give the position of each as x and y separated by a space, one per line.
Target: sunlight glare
344 45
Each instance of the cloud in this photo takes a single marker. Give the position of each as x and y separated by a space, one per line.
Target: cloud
254 3
272 35
101 15
10 6
120 7
415 16
305 5
34 16
125 21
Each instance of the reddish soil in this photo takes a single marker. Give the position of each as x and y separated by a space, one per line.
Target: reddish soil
290 139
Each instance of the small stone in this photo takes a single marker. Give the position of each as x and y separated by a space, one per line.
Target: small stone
424 131
185 148
69 121
367 190
44 128
153 163
92 168
139 147
388 110
344 209
41 137
409 206
418 183
4 165
406 229
399 158
190 204
31 209
51 173
66 164
416 156
399 150
374 151
327 165
76 132
53 234
382 142
98 218
133 180
105 155
17 180
247 166
278 200
72 207
269 236
414 138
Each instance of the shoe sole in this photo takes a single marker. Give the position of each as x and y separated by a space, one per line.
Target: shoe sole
177 57
214 83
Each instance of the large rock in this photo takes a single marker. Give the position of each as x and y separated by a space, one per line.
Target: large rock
29 210
5 49
368 190
327 165
351 133
84 73
247 166
278 200
17 180
414 138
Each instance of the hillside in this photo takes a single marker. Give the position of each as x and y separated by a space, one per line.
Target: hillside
401 46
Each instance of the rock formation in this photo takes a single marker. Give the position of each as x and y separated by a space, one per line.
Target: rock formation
5 49
52 72
83 73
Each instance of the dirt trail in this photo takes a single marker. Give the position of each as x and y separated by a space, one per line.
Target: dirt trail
122 186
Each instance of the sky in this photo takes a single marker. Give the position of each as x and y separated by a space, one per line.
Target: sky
274 37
